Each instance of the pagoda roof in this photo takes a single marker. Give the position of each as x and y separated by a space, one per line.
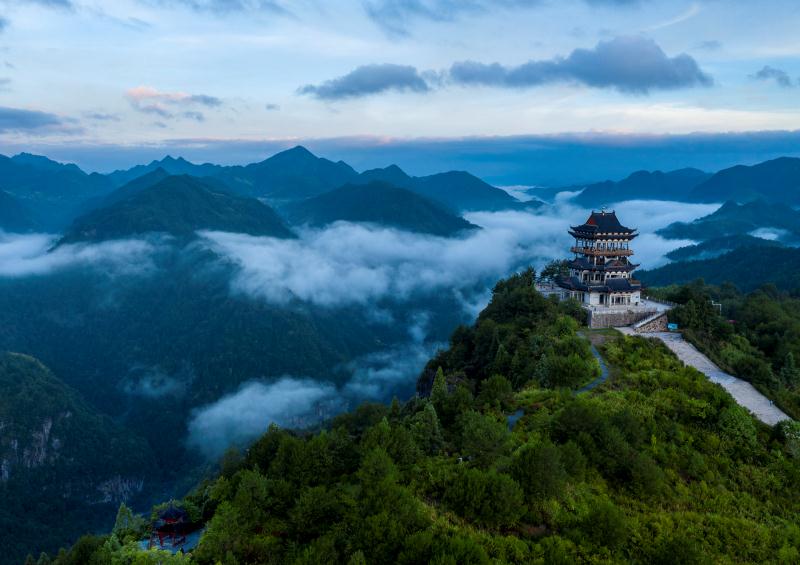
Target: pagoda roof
602 222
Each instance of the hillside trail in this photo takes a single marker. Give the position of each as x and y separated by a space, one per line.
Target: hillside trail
743 392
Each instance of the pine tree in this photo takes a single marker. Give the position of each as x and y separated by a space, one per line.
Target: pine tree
439 390
427 430
790 373
542 373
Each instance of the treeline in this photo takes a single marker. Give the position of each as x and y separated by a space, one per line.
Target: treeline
755 336
657 465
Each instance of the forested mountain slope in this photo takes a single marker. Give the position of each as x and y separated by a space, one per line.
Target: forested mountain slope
379 203
175 205
63 467
657 465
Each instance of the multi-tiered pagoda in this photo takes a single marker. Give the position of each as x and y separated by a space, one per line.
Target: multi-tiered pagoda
600 272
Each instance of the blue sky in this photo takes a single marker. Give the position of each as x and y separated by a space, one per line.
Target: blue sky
107 83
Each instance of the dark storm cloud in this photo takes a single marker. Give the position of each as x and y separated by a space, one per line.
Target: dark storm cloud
369 79
629 64
780 76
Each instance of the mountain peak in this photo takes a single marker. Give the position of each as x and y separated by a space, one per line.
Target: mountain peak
179 205
297 152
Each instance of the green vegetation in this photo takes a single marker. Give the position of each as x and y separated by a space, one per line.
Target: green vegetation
748 267
658 465
379 203
757 336
177 205
59 458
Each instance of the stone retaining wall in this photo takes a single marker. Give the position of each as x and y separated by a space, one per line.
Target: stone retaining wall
617 318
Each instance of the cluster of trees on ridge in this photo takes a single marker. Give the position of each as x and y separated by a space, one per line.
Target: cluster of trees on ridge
657 465
755 336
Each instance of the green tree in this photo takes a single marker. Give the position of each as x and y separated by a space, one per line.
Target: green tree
426 430
790 372
439 390
485 497
496 393
539 470
484 438
606 524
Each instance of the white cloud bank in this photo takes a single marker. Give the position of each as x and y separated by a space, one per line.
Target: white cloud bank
239 417
359 264
26 255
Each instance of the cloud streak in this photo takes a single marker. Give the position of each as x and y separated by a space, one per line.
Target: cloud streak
395 17
229 6
367 80
148 100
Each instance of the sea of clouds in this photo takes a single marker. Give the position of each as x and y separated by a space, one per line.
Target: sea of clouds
354 265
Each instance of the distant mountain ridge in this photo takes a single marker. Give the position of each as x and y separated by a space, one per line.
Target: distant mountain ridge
747 267
642 185
457 190
717 246
51 192
177 205
380 203
777 180
169 164
737 219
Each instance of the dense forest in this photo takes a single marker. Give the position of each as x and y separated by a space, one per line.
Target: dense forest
656 465
748 266
60 457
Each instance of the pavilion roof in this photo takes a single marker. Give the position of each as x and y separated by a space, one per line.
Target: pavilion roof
602 222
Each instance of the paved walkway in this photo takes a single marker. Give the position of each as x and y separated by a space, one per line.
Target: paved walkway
603 369
743 392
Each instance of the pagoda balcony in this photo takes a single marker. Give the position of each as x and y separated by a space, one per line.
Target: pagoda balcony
596 252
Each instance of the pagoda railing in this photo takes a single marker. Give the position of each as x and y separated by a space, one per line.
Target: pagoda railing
596 252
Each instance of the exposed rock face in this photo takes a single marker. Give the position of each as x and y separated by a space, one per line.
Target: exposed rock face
58 458
119 489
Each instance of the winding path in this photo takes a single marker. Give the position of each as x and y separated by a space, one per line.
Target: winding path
603 370
514 416
742 392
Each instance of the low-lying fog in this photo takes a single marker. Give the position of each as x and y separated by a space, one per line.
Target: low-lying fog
353 264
